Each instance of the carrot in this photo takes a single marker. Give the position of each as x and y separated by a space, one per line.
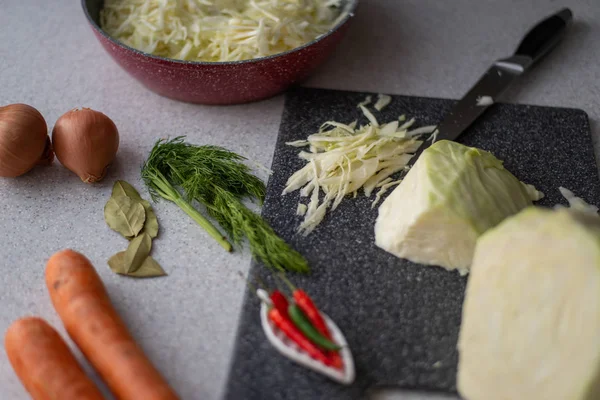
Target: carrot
81 301
44 363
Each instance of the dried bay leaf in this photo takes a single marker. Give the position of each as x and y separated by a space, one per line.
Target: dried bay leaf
122 188
138 250
151 224
149 268
124 215
133 217
117 263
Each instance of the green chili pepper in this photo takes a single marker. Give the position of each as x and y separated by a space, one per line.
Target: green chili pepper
302 322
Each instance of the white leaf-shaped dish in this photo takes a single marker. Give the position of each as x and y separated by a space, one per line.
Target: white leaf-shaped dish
289 349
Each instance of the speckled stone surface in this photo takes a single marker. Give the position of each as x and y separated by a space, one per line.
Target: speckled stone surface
401 319
50 58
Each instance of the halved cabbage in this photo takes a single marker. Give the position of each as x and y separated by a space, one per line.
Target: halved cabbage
451 196
531 314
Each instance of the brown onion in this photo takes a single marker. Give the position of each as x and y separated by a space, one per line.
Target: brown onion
86 142
24 140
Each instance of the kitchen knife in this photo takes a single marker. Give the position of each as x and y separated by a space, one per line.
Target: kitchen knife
538 42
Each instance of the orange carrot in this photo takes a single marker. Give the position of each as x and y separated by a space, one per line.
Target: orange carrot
44 363
81 301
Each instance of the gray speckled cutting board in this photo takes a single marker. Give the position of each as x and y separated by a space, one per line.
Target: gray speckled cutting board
400 319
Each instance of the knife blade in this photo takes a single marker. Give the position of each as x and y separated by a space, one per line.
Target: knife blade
538 42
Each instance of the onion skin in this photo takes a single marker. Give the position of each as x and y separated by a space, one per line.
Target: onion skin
86 142
24 140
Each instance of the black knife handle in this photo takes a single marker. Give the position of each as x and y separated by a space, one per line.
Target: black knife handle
545 35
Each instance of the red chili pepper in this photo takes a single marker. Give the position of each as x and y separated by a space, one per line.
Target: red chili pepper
306 304
280 302
336 359
309 308
292 332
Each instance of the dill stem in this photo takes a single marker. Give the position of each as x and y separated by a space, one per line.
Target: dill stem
203 222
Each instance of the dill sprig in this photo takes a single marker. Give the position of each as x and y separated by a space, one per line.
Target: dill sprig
218 179
159 186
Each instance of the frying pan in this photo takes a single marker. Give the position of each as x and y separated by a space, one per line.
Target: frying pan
220 82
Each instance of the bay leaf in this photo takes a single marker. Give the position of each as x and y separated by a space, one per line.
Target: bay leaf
149 268
122 188
151 223
117 263
124 215
138 250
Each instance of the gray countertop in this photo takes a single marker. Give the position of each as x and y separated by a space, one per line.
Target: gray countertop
186 322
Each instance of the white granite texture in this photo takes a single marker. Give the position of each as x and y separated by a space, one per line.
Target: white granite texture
186 322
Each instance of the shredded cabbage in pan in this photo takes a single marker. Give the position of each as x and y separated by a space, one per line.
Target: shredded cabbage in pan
218 30
342 158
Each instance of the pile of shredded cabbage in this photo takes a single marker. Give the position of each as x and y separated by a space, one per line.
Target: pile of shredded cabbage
218 30
343 158
577 203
